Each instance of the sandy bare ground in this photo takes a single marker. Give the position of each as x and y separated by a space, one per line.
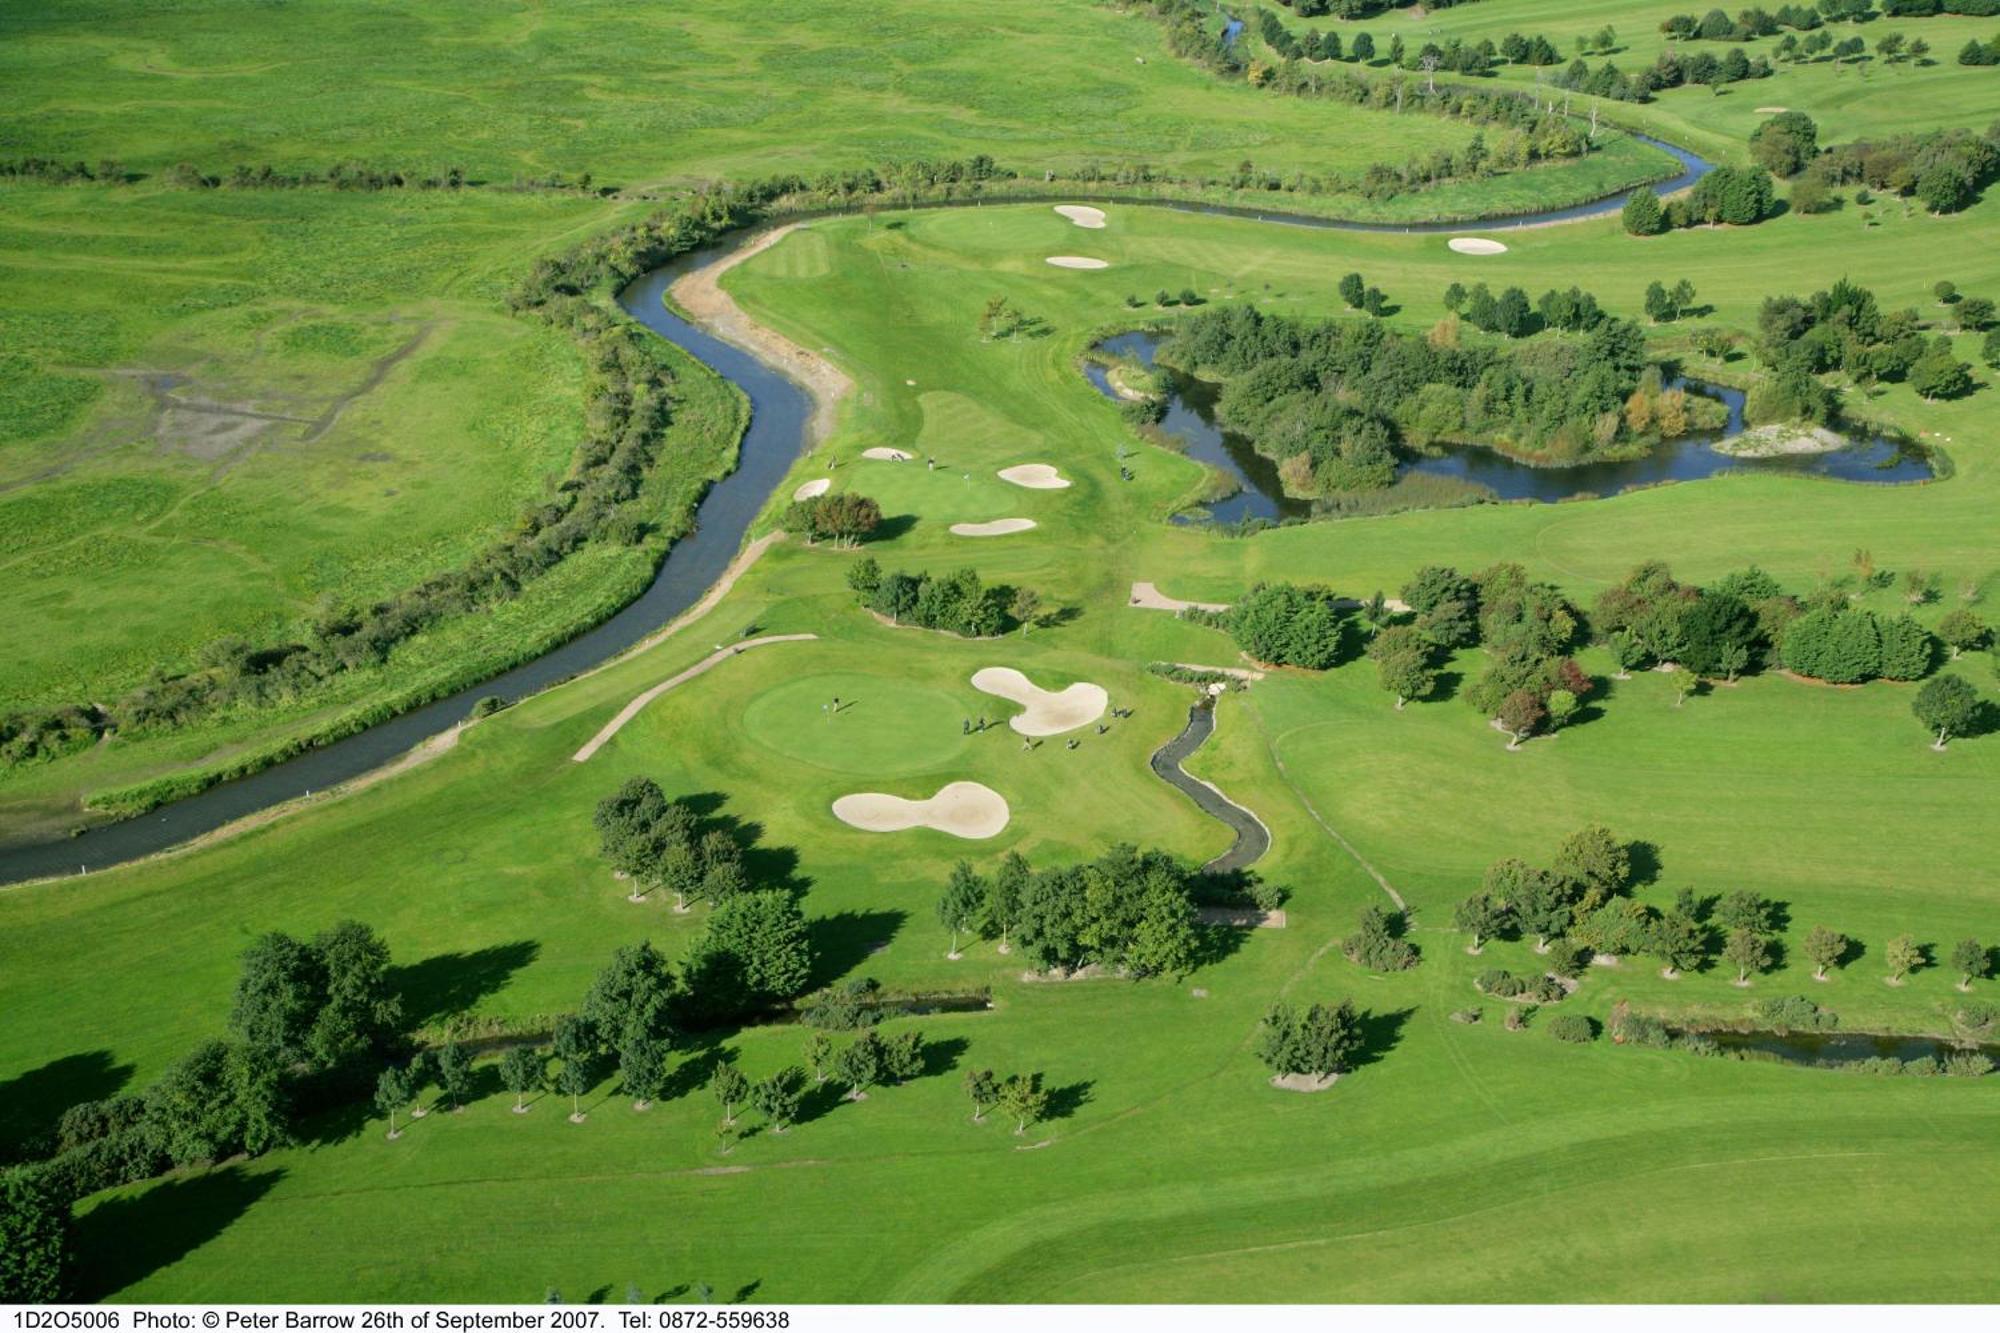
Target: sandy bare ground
1044 712
1475 245
882 453
639 701
1077 261
1771 110
1249 918
816 487
962 809
1303 1082
1152 599
999 527
1035 476
699 292
1083 215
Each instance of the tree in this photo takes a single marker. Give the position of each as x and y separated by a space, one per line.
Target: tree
819 1056
642 1067
1353 290
1679 941
359 1016
1521 716
1642 215
521 1071
1969 959
1317 1043
454 1074
35 1245
963 906
1745 909
632 996
191 1111
1003 897
1785 143
1947 705
1962 631
1659 306
984 1091
777 1098
903 1057
1562 706
1824 947
1903 957
1402 657
859 1065
729 1088
1627 651
1938 374
1023 1097
575 1049
393 1091
756 951
625 822
280 990
1480 916
1594 865
1747 951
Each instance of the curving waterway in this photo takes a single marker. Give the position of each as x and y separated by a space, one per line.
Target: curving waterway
780 414
1252 838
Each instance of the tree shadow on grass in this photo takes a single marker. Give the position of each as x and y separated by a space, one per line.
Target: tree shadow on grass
127 1239
891 527
453 983
1067 1100
1380 1034
941 1057
1645 858
32 1102
1445 686
842 941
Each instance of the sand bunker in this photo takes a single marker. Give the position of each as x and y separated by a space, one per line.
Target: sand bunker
1772 110
999 527
883 454
1035 476
1476 245
1083 215
1045 712
1152 599
962 809
817 486
1076 261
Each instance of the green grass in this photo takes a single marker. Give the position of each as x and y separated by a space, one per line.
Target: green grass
132 538
1465 1163
1847 102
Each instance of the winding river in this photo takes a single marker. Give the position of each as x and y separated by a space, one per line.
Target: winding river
780 413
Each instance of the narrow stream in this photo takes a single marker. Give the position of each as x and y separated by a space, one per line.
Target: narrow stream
1252 838
1191 419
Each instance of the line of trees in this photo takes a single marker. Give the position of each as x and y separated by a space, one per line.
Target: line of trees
959 602
1731 196
1128 911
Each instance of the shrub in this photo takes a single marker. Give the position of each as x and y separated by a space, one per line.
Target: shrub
1574 1028
1378 944
1795 1013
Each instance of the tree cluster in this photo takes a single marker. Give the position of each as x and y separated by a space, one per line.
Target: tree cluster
958 603
842 518
1843 329
1290 624
662 844
1128 911
1317 1041
1378 942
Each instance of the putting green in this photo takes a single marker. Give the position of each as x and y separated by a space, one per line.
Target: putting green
884 727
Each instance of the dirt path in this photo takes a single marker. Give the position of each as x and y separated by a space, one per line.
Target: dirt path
639 701
699 293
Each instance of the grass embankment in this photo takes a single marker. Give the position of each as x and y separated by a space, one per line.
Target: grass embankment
1466 1162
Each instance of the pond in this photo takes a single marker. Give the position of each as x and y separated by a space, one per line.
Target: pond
1191 420
1832 1049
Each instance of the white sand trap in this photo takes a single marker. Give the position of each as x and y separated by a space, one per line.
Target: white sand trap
962 809
816 487
1077 261
1476 245
1035 476
1772 110
882 453
999 527
1047 713
1152 599
1083 215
